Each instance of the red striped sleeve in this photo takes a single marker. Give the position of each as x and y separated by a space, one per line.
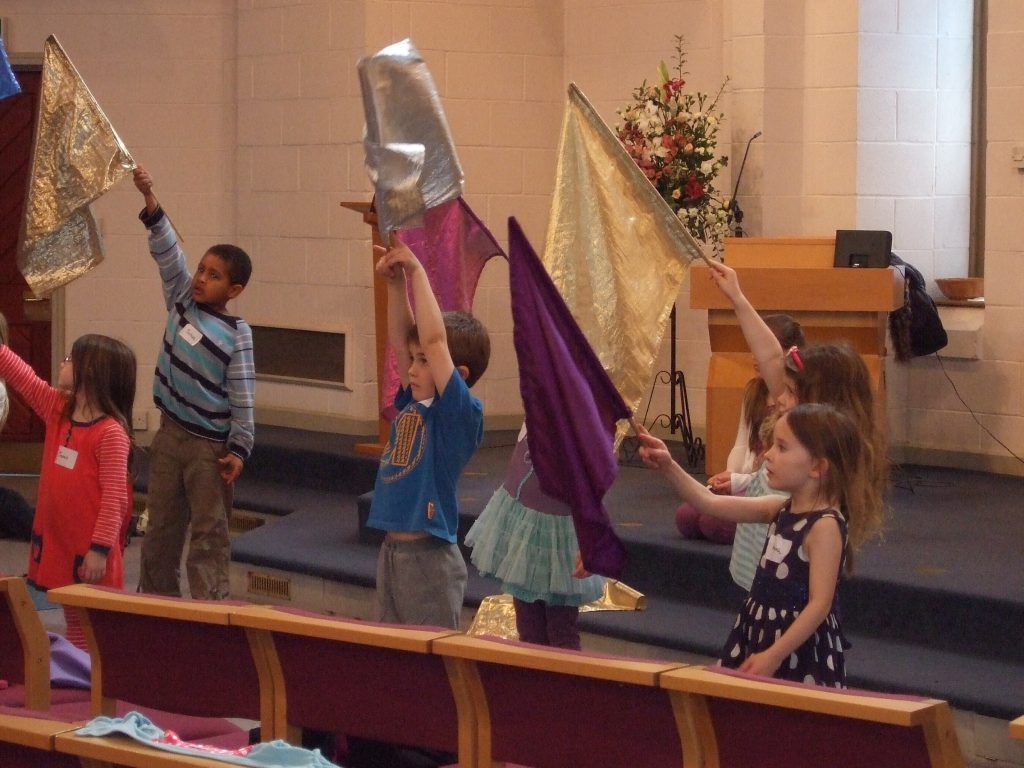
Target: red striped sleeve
112 461
40 396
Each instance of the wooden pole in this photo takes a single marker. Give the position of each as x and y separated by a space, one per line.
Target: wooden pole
380 313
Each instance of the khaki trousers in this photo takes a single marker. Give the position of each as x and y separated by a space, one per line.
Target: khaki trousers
186 491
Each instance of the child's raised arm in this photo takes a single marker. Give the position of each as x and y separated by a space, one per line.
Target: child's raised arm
400 318
429 321
767 351
742 509
144 183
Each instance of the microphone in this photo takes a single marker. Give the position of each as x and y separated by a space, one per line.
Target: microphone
737 213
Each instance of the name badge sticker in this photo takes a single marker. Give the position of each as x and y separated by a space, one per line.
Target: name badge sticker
778 548
66 457
190 334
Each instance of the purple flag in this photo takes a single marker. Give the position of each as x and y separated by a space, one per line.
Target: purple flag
453 245
9 85
571 405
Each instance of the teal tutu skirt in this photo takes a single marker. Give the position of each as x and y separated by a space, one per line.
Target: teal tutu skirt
533 554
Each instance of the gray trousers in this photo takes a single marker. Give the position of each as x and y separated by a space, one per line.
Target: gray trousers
420 582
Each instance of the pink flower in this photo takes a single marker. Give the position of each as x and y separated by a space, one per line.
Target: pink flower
694 189
676 193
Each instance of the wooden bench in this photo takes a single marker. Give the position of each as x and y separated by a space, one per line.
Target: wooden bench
551 708
27 741
359 679
24 648
738 716
178 661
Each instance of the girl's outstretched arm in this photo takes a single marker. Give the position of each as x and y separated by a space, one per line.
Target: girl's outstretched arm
759 509
767 351
824 546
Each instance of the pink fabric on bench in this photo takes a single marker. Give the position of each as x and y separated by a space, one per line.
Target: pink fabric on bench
15 696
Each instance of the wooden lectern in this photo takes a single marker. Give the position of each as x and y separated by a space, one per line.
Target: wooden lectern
380 312
794 276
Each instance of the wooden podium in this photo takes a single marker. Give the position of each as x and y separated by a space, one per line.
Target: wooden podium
794 276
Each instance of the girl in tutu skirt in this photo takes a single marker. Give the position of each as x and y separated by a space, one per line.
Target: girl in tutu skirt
527 540
788 627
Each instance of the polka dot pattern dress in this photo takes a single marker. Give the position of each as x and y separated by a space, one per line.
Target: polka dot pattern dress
779 593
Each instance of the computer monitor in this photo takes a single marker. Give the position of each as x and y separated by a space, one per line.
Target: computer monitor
862 248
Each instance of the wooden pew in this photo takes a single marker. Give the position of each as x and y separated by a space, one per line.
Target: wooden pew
551 708
744 720
27 741
24 648
179 661
1017 728
360 679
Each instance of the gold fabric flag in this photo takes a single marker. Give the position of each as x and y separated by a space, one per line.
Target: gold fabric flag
615 250
76 157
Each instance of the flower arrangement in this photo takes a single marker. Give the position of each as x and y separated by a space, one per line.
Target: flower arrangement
672 136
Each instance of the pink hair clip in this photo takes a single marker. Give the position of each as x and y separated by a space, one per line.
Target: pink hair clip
794 354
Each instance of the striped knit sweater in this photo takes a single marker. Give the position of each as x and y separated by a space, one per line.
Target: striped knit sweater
207 388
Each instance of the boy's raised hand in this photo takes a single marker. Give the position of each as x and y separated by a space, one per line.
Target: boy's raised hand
395 261
144 183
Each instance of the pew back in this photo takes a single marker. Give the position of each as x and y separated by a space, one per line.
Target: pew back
366 680
783 723
177 655
551 708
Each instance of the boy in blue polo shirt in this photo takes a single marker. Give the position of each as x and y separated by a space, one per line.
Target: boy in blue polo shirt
421 575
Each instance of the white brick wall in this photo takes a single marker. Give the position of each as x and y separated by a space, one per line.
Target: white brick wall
248 114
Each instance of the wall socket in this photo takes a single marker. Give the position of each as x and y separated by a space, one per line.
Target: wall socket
140 420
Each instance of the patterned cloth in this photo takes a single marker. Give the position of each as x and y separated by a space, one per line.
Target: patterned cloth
271 754
779 593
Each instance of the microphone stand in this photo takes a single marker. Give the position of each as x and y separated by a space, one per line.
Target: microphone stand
734 206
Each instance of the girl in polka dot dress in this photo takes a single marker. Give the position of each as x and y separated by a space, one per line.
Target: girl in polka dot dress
788 627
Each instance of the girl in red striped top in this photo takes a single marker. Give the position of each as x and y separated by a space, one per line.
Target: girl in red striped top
85 495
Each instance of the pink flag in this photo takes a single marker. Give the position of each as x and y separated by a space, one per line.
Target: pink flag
453 245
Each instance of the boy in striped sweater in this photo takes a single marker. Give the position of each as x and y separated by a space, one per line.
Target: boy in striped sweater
204 387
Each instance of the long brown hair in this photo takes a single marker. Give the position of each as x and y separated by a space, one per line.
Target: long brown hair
755 395
830 434
835 374
104 372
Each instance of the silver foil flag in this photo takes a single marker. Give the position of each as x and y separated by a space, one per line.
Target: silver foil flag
76 157
410 154
615 250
